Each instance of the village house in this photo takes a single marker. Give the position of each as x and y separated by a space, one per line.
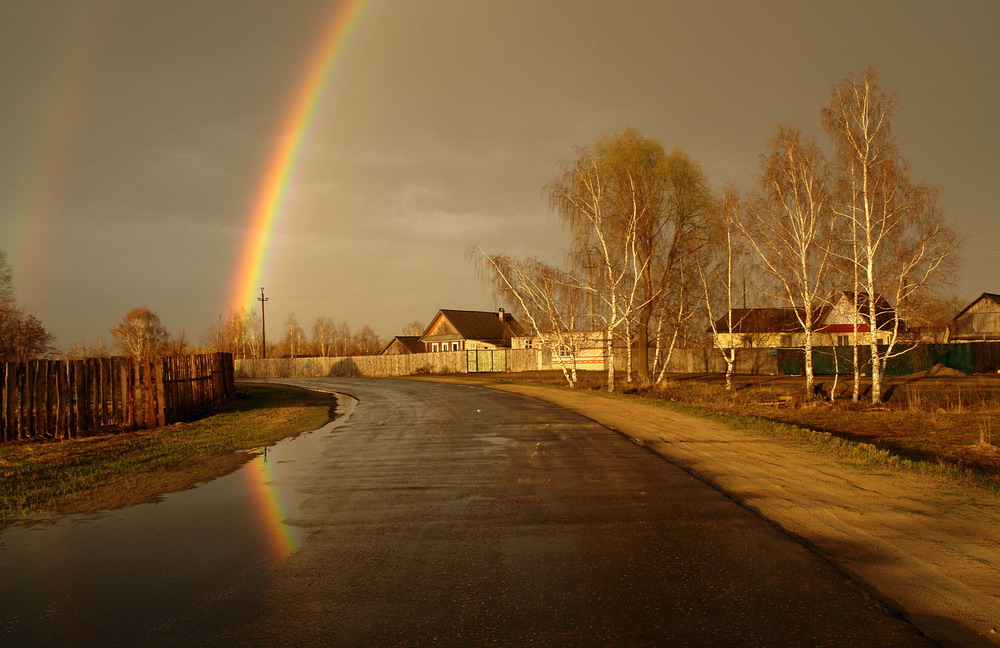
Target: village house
403 344
587 348
461 330
834 325
979 321
754 328
837 322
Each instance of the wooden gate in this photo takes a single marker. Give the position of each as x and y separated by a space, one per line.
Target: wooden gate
487 360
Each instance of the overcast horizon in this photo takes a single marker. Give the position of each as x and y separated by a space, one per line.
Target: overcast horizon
136 133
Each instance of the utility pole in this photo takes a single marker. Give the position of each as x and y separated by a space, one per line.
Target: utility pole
263 328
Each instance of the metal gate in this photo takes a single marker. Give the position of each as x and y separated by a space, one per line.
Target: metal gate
485 360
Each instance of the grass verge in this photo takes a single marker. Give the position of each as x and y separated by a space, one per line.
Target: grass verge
113 470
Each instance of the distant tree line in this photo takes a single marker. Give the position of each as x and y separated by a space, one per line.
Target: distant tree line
22 336
141 333
241 335
656 259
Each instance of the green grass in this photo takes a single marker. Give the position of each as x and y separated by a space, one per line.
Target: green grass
117 469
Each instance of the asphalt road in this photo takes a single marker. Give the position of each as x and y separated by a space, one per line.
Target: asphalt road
452 515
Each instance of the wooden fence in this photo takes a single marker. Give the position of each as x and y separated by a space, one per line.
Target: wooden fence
407 364
70 398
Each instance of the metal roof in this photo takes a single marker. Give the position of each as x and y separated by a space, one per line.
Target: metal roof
486 326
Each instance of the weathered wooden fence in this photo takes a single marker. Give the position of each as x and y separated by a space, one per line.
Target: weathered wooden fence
975 357
70 398
377 366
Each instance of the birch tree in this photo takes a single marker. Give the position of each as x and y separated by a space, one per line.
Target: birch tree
789 225
324 331
140 333
416 327
718 267
673 316
365 342
294 336
545 299
668 196
238 334
607 226
900 242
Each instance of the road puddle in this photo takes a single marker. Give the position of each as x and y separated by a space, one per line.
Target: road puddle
197 559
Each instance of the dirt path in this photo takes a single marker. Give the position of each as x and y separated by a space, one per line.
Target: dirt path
926 545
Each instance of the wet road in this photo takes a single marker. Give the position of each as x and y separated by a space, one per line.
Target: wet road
435 515
461 516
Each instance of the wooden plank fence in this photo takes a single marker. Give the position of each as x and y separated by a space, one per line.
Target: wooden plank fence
70 398
378 366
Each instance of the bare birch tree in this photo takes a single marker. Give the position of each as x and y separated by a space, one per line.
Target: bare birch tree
717 268
544 296
415 327
789 224
672 321
140 333
342 340
365 342
669 197
606 226
238 334
294 336
80 350
324 331
900 241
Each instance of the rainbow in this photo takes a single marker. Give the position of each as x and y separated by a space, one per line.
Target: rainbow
279 169
280 539
59 121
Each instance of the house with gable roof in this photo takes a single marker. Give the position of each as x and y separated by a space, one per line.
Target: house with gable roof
402 345
979 321
462 330
834 324
838 321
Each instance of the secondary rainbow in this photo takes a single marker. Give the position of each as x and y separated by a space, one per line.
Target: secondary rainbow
280 167
60 121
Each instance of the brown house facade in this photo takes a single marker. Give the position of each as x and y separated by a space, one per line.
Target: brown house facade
979 321
461 330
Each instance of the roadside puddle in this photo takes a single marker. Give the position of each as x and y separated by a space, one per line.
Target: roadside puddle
196 559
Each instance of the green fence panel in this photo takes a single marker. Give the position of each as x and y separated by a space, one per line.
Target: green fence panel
829 360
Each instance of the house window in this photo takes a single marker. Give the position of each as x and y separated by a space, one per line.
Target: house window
434 346
527 344
786 340
843 340
454 346
565 350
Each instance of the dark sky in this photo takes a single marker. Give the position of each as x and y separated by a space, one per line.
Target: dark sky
134 134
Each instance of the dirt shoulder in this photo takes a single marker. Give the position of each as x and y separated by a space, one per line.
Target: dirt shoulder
927 545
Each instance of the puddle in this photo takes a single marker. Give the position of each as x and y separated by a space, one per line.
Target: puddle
197 559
